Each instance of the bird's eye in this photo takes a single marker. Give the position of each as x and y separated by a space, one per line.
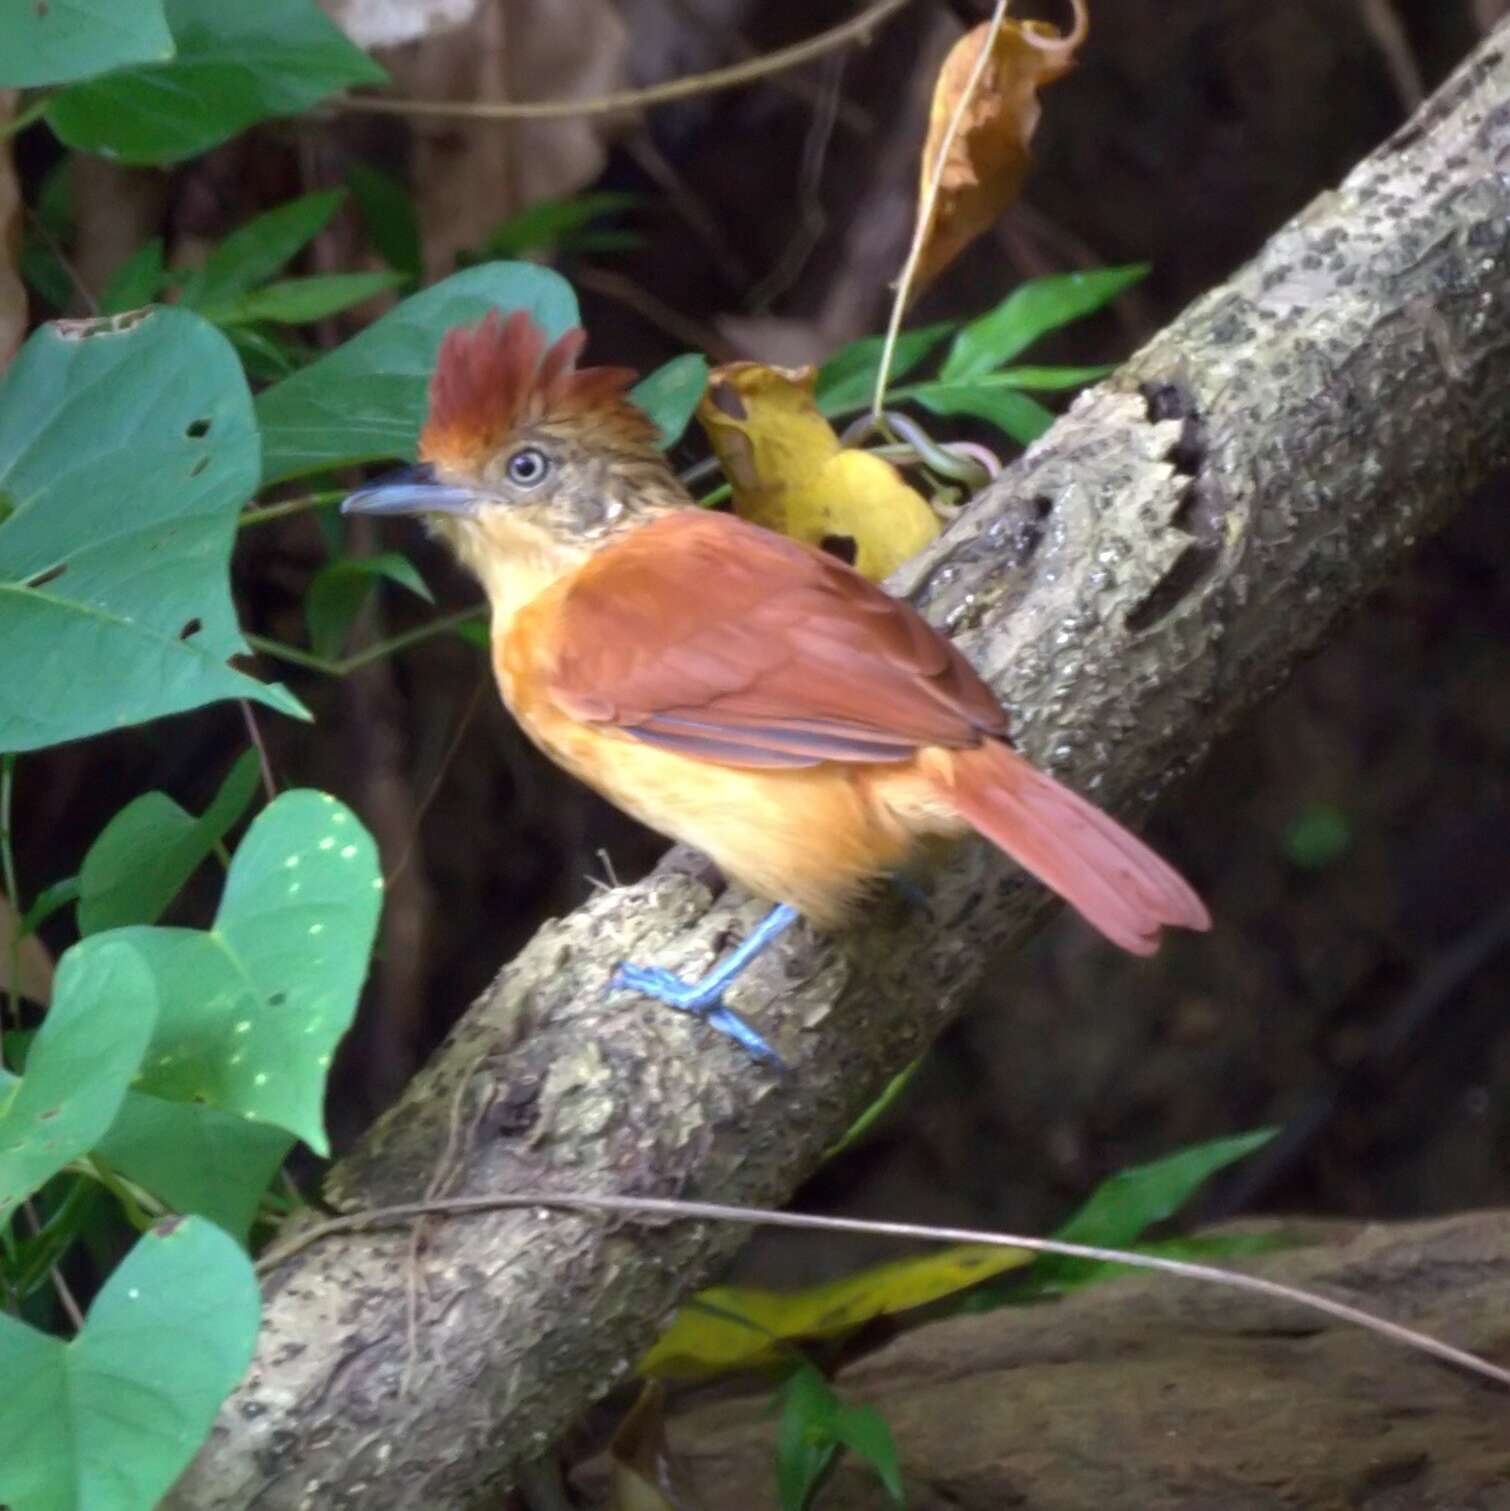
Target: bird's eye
528 466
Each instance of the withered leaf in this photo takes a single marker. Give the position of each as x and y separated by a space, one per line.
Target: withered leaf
988 158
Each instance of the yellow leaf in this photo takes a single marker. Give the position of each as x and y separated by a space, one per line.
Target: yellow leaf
789 472
738 1327
988 158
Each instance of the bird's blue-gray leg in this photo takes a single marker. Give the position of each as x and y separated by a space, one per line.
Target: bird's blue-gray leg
705 998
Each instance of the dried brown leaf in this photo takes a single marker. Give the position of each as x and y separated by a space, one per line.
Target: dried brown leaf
33 963
12 290
988 158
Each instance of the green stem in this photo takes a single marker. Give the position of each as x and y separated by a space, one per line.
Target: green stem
375 652
288 506
141 1210
8 863
33 112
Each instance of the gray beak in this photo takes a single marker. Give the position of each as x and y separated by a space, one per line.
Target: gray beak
412 490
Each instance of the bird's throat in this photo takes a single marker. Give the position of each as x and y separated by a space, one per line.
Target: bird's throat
513 558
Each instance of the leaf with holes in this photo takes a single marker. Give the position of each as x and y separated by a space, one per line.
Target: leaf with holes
108 1420
127 449
366 399
670 394
235 65
338 591
790 472
145 854
196 1159
78 1068
251 1010
63 40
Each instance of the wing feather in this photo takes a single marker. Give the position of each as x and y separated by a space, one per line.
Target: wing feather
705 634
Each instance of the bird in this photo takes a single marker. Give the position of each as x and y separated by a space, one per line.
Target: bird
736 690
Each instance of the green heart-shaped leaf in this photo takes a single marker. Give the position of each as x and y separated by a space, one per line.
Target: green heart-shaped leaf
151 848
252 1009
108 1421
127 449
78 1068
196 1159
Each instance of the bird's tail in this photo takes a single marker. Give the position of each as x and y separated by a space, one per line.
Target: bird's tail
1112 878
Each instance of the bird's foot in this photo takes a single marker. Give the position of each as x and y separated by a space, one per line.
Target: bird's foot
705 997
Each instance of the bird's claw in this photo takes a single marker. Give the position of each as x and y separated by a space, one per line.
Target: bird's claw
704 999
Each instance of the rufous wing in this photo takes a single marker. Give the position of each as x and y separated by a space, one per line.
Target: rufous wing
707 635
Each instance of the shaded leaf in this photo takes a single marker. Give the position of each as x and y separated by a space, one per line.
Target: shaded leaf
847 380
251 1010
196 1159
1123 1207
813 1425
877 1109
1007 408
390 216
1119 1211
127 449
557 224
366 400
234 65
669 395
263 246
1032 310
740 1327
108 1421
866 1433
988 157
77 1069
337 592
33 963
806 1449
137 281
1320 835
296 301
145 854
788 471
13 311
66 40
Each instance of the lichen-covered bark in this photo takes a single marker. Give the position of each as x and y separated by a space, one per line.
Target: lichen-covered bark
1141 578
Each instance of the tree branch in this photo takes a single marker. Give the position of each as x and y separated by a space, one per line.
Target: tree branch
1142 578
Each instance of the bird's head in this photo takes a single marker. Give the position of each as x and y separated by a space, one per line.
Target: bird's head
521 445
